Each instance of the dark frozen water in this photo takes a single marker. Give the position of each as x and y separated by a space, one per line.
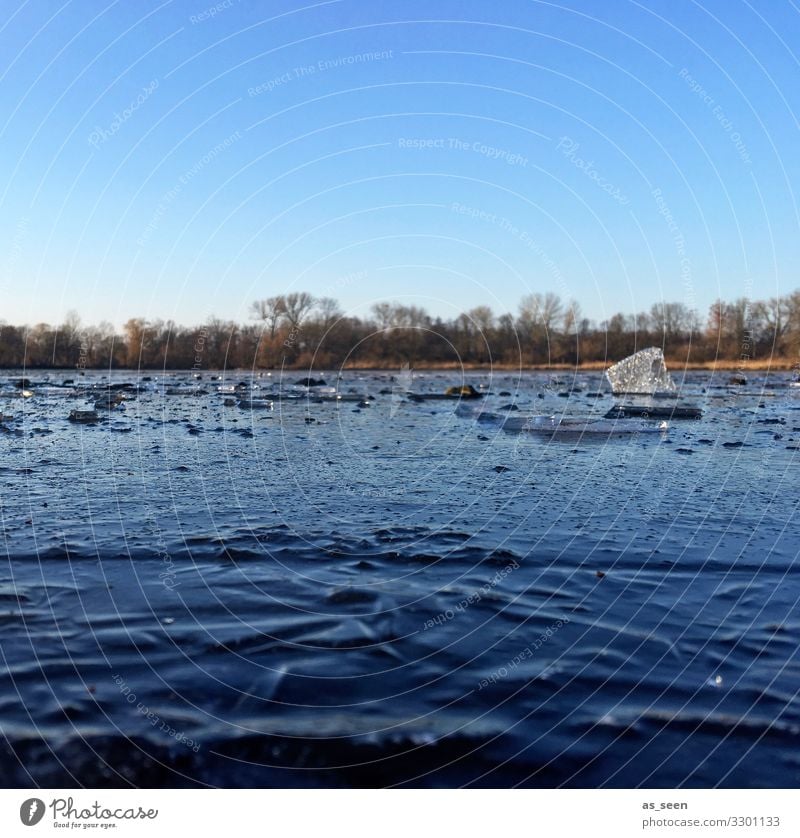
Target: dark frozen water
198 594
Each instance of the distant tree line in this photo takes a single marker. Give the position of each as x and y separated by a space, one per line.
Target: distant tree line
298 330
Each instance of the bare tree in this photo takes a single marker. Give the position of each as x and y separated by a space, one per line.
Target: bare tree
297 306
270 311
729 328
672 320
482 317
135 331
329 312
572 318
382 313
541 309
770 322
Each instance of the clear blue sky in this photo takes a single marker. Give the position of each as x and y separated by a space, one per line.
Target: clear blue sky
177 159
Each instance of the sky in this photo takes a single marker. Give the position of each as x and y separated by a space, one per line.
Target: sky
179 160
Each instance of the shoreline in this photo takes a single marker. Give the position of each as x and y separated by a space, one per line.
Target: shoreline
776 365
772 365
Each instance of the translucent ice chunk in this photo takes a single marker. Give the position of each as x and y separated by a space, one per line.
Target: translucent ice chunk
643 373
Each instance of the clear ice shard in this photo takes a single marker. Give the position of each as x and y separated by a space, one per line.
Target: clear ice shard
644 373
